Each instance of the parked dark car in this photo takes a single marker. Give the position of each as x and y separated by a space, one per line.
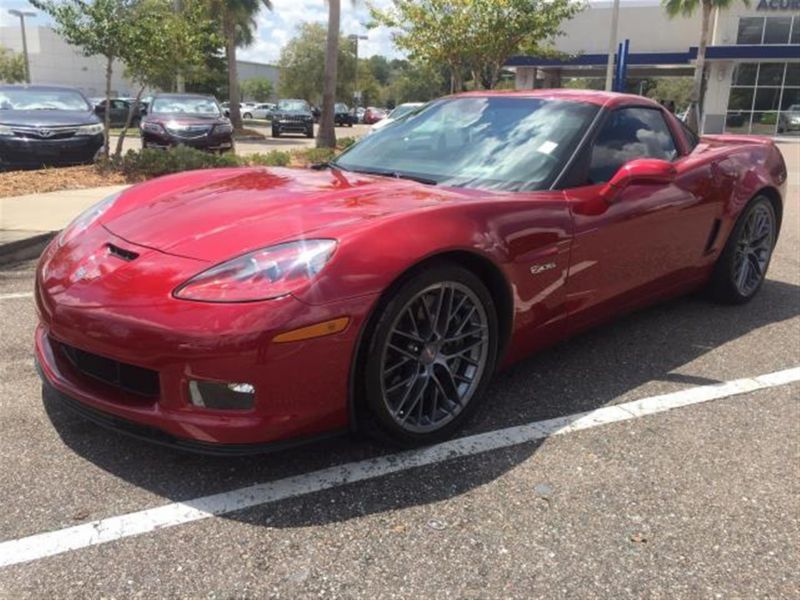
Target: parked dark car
119 112
342 115
47 125
293 116
188 120
316 111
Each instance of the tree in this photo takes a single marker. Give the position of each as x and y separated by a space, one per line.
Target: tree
238 21
326 133
183 36
259 89
302 65
686 8
12 66
97 27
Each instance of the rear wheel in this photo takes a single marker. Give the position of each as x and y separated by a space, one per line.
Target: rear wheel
742 267
431 354
247 116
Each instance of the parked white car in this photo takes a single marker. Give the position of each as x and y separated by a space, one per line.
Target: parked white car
260 111
399 111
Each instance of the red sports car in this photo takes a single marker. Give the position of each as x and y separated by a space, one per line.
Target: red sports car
235 309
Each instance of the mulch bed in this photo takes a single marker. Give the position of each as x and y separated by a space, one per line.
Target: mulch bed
18 183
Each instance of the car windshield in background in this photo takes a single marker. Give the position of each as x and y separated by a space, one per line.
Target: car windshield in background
482 142
293 105
340 108
27 99
188 105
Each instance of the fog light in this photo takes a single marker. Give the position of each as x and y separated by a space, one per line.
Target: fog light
224 396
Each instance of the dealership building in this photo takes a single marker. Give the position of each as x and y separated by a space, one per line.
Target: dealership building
753 58
53 61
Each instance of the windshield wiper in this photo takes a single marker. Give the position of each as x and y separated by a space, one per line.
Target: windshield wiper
398 175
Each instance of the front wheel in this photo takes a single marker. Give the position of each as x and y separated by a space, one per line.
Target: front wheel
742 267
276 133
430 356
247 116
310 133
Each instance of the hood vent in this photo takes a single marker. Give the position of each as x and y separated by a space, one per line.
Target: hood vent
121 252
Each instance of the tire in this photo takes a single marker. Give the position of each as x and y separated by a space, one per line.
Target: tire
310 133
749 247
247 116
420 392
276 133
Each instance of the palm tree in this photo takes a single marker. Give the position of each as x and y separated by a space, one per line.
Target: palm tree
326 134
686 8
238 19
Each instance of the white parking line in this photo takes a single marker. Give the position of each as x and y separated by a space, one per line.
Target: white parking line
114 528
18 295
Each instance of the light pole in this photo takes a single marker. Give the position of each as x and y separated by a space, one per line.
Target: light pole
22 14
612 45
355 39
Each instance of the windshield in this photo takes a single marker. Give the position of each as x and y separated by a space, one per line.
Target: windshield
483 142
403 109
339 107
299 105
42 100
190 105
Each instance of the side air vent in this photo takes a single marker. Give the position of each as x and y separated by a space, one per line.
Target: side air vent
121 252
712 237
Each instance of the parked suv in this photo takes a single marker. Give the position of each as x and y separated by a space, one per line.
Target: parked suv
186 119
47 125
342 115
293 116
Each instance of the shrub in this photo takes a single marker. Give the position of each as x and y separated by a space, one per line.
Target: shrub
313 156
345 142
273 158
149 162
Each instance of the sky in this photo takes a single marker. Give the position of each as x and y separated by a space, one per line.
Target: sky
278 27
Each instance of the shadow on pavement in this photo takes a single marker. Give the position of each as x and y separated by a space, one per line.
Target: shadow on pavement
595 369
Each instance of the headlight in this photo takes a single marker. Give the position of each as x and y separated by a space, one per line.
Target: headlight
224 128
152 127
5 130
92 129
85 219
261 275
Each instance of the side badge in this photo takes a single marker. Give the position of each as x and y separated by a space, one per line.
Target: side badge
536 269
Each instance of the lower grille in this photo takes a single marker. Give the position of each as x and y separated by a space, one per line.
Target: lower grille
130 378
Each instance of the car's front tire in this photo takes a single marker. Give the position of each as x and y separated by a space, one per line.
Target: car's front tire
310 132
430 356
247 116
742 266
276 133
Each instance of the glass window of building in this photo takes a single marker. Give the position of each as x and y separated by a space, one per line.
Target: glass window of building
795 31
777 30
751 30
764 99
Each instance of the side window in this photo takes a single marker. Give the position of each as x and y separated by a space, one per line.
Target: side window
630 133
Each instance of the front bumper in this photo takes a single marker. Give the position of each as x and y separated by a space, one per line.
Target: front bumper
301 387
211 143
285 126
26 152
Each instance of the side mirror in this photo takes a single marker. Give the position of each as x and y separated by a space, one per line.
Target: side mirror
641 170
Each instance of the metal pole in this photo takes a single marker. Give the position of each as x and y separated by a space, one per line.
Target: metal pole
355 38
180 80
22 14
612 44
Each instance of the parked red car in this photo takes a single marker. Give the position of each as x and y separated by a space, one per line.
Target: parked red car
372 115
231 310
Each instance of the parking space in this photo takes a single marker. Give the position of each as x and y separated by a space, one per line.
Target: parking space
698 501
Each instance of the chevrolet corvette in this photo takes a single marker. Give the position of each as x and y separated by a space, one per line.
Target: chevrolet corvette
243 309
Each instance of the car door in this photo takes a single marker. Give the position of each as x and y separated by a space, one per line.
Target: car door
645 240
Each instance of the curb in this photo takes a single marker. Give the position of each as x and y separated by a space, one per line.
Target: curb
25 249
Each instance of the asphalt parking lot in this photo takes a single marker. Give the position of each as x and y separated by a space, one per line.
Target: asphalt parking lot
632 501
285 142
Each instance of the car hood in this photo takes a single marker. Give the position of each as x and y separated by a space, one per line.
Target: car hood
218 214
42 118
